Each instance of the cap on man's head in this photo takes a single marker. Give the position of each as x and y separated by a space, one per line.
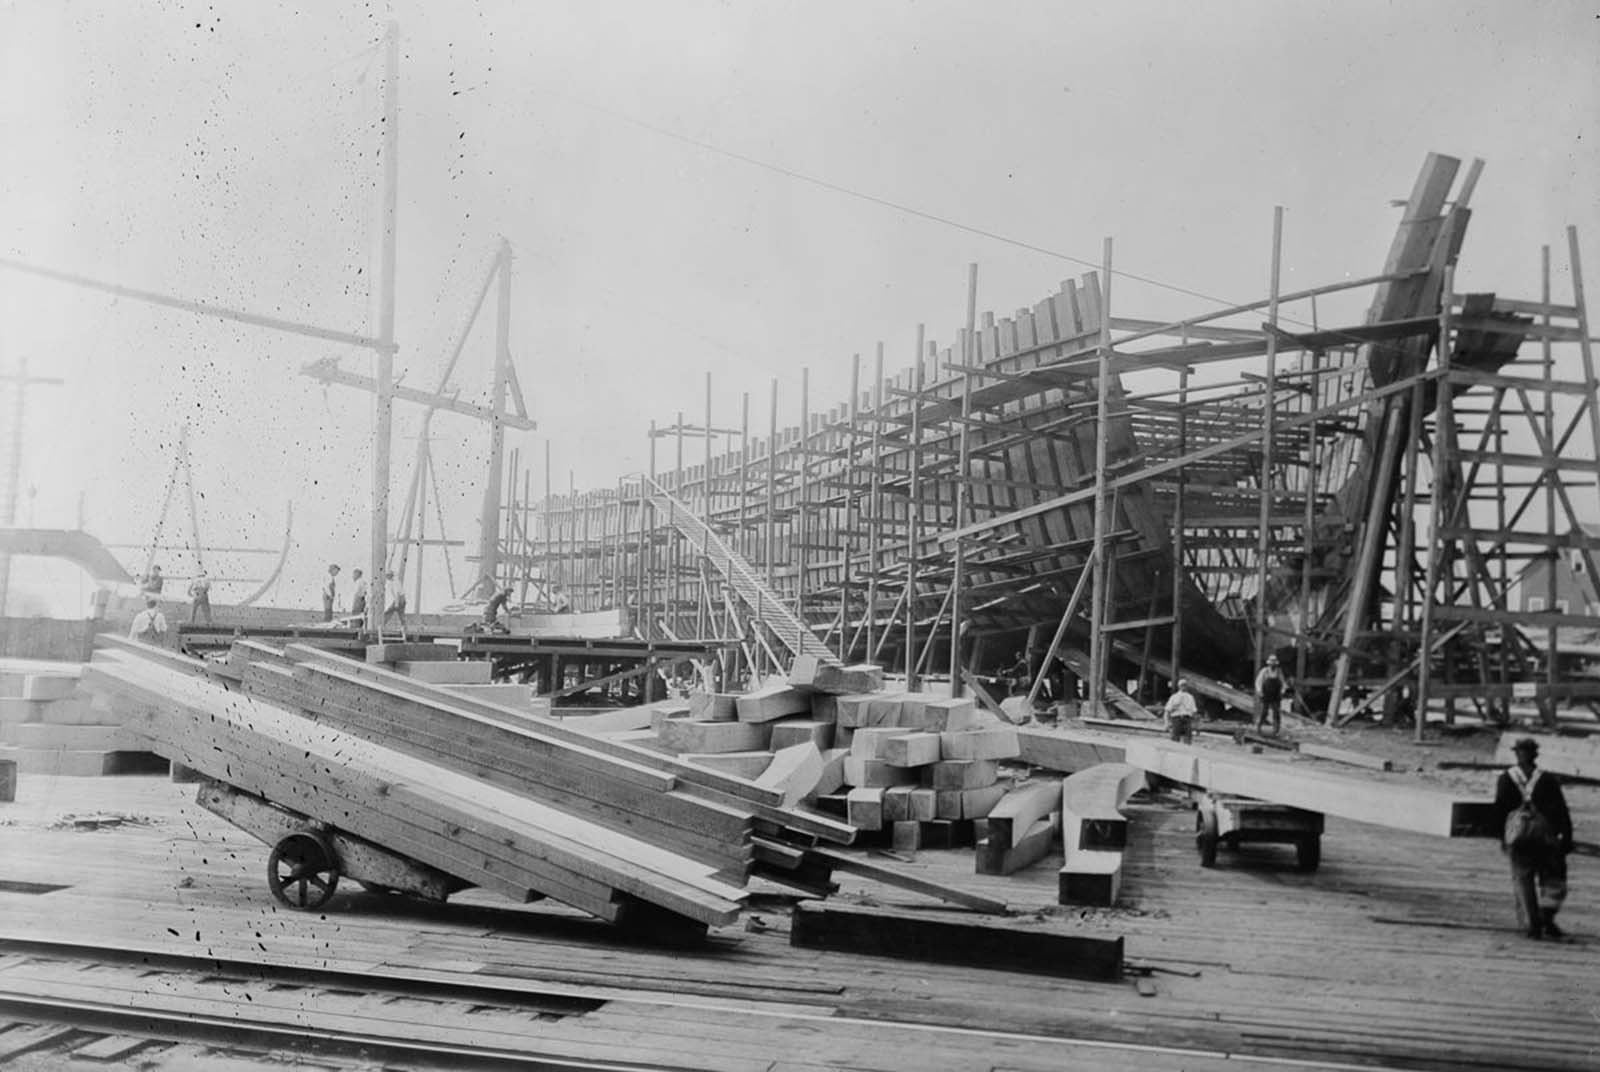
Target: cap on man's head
1183 683
1272 660
333 567
1526 744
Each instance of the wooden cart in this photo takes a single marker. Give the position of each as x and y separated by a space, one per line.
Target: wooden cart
1222 819
309 858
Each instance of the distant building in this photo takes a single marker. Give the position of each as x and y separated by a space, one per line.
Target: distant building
1577 591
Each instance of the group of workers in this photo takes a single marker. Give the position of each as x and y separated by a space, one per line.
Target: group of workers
359 590
150 624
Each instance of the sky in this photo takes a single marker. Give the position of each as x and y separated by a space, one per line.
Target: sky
690 188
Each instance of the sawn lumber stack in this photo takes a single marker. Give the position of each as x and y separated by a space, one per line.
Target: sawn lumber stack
493 796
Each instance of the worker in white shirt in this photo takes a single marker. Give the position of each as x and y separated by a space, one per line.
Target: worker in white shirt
1181 712
149 625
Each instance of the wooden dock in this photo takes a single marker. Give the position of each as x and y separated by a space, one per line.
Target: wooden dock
1398 953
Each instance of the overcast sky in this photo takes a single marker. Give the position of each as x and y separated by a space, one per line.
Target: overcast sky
635 156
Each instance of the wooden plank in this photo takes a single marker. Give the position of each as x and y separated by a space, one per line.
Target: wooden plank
963 773
909 749
795 731
460 672
1388 803
1006 945
1066 750
999 742
772 702
1342 755
412 652
876 773
763 803
810 674
687 735
864 807
794 771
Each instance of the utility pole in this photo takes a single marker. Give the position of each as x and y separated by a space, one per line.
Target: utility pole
383 394
8 505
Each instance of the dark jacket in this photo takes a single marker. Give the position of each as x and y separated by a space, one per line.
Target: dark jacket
1548 800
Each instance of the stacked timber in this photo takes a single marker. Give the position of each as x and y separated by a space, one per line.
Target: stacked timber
493 795
48 726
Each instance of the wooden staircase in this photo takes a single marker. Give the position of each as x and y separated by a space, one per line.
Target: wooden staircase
768 608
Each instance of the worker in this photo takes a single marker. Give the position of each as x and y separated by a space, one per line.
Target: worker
1532 812
1181 713
330 592
492 609
358 595
152 582
1270 687
397 603
149 625
200 597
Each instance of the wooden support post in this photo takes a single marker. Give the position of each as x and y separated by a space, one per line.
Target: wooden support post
1552 556
489 519
1061 630
383 396
801 525
1099 598
1308 532
852 518
1441 501
1178 522
875 508
914 515
1591 378
970 356
1269 405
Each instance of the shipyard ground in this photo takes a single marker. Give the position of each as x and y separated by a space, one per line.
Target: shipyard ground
137 929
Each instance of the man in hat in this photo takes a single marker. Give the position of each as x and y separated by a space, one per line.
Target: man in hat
1269 695
1538 864
200 597
1181 713
330 592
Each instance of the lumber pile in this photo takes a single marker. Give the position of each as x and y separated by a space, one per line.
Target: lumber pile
495 796
911 763
48 726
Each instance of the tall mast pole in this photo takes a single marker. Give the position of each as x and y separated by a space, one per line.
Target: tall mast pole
383 397
489 520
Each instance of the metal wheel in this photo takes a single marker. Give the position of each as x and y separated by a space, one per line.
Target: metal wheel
302 871
1308 852
1206 839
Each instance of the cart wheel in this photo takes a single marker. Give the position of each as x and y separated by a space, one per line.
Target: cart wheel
1205 822
1308 852
302 871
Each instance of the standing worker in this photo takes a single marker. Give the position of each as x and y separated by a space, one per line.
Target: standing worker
330 592
358 595
1270 687
1181 712
397 604
200 597
149 625
1529 804
152 582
